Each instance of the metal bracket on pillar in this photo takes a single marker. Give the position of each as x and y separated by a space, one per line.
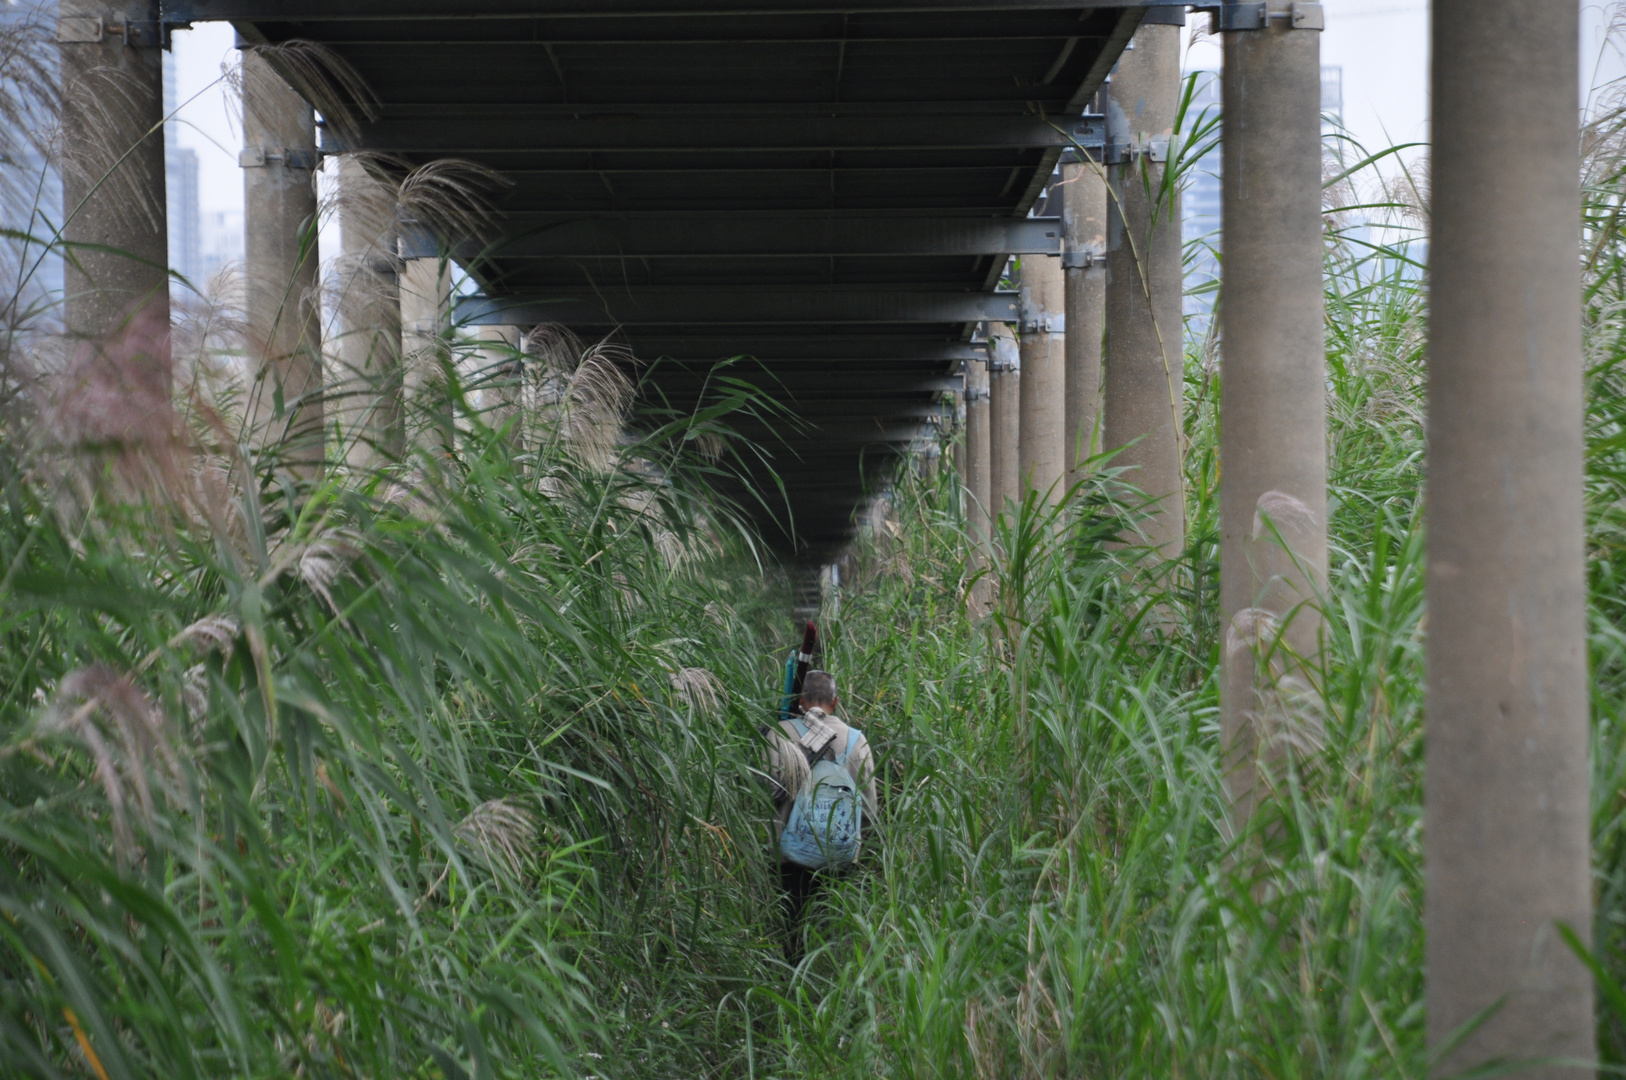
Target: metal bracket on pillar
1155 148
1003 354
1084 259
259 157
137 34
1031 319
1251 15
973 393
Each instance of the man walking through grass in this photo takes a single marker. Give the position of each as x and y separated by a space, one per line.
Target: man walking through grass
823 781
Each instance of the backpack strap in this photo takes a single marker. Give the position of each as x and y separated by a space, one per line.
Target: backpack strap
853 736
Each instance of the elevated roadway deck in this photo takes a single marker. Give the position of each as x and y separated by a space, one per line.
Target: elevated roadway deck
831 187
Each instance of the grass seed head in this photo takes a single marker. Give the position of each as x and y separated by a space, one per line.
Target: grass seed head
501 832
698 688
135 747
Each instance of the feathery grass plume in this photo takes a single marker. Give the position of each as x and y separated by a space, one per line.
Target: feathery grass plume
698 689
452 198
134 746
212 632
110 409
710 446
1407 193
322 77
325 560
209 337
501 832
593 408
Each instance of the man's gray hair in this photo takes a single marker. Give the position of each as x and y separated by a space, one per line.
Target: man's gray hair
819 688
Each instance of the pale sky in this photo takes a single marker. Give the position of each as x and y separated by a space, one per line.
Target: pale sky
207 114
1382 46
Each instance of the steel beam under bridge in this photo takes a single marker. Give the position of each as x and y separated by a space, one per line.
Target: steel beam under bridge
179 12
552 130
797 349
735 306
792 235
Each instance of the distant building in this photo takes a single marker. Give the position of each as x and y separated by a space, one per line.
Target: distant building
222 242
30 188
31 194
1200 201
181 182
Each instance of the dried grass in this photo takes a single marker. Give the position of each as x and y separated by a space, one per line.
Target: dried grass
136 749
698 689
501 833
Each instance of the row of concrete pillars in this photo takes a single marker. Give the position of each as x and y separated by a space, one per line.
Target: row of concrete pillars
1507 852
1040 409
395 310
1506 795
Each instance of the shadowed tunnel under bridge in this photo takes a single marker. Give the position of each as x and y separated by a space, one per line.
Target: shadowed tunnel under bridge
834 188
831 188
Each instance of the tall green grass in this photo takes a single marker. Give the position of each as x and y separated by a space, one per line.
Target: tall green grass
377 779
447 767
1058 891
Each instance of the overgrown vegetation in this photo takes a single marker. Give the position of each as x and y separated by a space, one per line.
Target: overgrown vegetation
445 767
1060 892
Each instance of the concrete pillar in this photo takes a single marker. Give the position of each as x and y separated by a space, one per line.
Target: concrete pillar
977 464
498 371
1273 442
978 475
426 297
1144 365
1042 443
1084 226
370 308
113 180
1004 417
280 264
1505 837
956 427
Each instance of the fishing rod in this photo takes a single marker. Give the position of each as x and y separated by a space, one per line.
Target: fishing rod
796 668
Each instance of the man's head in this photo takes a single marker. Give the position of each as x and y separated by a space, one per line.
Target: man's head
819 691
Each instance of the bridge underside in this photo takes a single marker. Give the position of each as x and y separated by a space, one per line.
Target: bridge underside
830 189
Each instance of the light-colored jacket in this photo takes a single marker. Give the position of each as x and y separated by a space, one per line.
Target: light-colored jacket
788 769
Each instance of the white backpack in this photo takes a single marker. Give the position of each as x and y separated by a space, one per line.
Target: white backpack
825 818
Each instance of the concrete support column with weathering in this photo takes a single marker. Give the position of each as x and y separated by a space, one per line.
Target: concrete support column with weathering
978 470
370 309
977 464
1506 822
115 213
956 429
1273 443
1004 417
426 296
1084 226
1042 442
1144 372
280 263
499 374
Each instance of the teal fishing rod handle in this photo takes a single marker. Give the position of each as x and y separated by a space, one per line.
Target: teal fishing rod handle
790 682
